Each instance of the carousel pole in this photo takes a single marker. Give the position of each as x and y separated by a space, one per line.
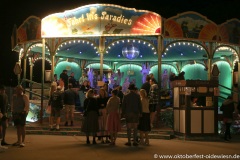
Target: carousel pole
24 69
101 50
209 61
159 51
52 67
31 75
52 54
43 71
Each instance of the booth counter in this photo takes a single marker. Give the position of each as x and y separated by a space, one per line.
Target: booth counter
195 107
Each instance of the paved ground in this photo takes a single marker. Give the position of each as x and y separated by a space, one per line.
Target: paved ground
46 147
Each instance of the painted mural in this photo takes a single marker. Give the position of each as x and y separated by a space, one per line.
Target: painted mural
101 19
193 25
232 29
29 30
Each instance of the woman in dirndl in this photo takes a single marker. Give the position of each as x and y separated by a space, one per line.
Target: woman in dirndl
90 121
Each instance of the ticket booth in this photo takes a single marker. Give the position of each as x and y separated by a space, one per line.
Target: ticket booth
195 108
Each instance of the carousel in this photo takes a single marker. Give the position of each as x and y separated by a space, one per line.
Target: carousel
115 44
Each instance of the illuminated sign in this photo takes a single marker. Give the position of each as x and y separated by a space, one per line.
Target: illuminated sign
101 20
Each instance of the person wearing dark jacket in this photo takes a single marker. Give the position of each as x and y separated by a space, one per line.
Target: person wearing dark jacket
132 110
70 97
64 77
90 122
227 108
147 84
56 102
102 100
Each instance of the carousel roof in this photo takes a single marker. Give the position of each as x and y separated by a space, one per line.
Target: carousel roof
186 36
177 51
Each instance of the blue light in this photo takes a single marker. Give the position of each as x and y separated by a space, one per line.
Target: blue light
130 52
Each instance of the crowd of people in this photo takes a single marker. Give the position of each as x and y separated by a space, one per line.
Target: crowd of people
103 111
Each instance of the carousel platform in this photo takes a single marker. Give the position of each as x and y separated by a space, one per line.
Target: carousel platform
41 127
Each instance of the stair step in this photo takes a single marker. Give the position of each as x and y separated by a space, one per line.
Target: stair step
77 128
78 133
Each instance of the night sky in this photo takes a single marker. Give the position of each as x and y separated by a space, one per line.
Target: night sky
12 12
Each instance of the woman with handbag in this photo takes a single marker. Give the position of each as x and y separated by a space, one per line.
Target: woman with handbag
90 122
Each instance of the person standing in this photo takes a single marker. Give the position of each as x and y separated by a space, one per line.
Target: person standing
132 110
144 121
3 111
55 80
83 79
53 88
102 100
113 118
82 92
72 80
228 108
120 95
153 99
146 85
20 109
90 122
56 102
1 146
70 97
64 77
61 84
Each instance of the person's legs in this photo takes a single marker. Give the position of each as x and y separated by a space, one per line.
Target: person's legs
115 137
4 129
146 138
87 137
141 137
52 116
94 139
22 135
58 114
1 136
1 147
111 137
227 132
17 125
23 129
19 140
152 109
72 109
58 123
129 133
66 114
135 131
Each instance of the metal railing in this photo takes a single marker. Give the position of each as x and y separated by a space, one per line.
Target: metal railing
42 87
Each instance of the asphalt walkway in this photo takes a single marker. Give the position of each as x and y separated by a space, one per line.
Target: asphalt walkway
52 147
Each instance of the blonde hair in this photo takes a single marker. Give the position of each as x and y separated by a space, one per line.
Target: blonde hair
104 91
89 93
143 93
52 88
